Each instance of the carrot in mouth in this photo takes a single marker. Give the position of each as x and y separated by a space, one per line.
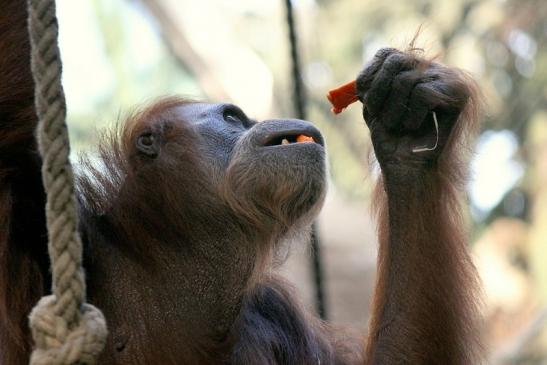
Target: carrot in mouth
303 138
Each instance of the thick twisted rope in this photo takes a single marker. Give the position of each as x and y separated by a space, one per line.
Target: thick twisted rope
66 331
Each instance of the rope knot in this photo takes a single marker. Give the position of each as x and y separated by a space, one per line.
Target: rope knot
59 342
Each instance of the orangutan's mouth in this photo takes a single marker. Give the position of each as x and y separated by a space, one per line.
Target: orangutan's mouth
284 138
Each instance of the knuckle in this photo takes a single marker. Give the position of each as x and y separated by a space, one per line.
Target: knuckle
406 79
362 84
395 61
382 53
366 76
367 71
387 61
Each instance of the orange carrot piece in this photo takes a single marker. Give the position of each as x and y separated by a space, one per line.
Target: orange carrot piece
303 138
343 96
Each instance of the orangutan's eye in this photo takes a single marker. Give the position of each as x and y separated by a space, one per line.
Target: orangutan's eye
146 143
231 117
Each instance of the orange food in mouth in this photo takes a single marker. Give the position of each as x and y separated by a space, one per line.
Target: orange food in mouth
301 138
343 96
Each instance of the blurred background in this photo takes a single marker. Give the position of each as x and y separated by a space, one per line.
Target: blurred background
120 53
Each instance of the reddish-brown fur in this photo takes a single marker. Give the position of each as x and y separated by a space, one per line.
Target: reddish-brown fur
223 306
23 262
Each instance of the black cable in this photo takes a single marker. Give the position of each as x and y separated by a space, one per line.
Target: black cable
300 103
299 96
317 270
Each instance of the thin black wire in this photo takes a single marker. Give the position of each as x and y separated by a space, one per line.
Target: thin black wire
299 94
300 103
